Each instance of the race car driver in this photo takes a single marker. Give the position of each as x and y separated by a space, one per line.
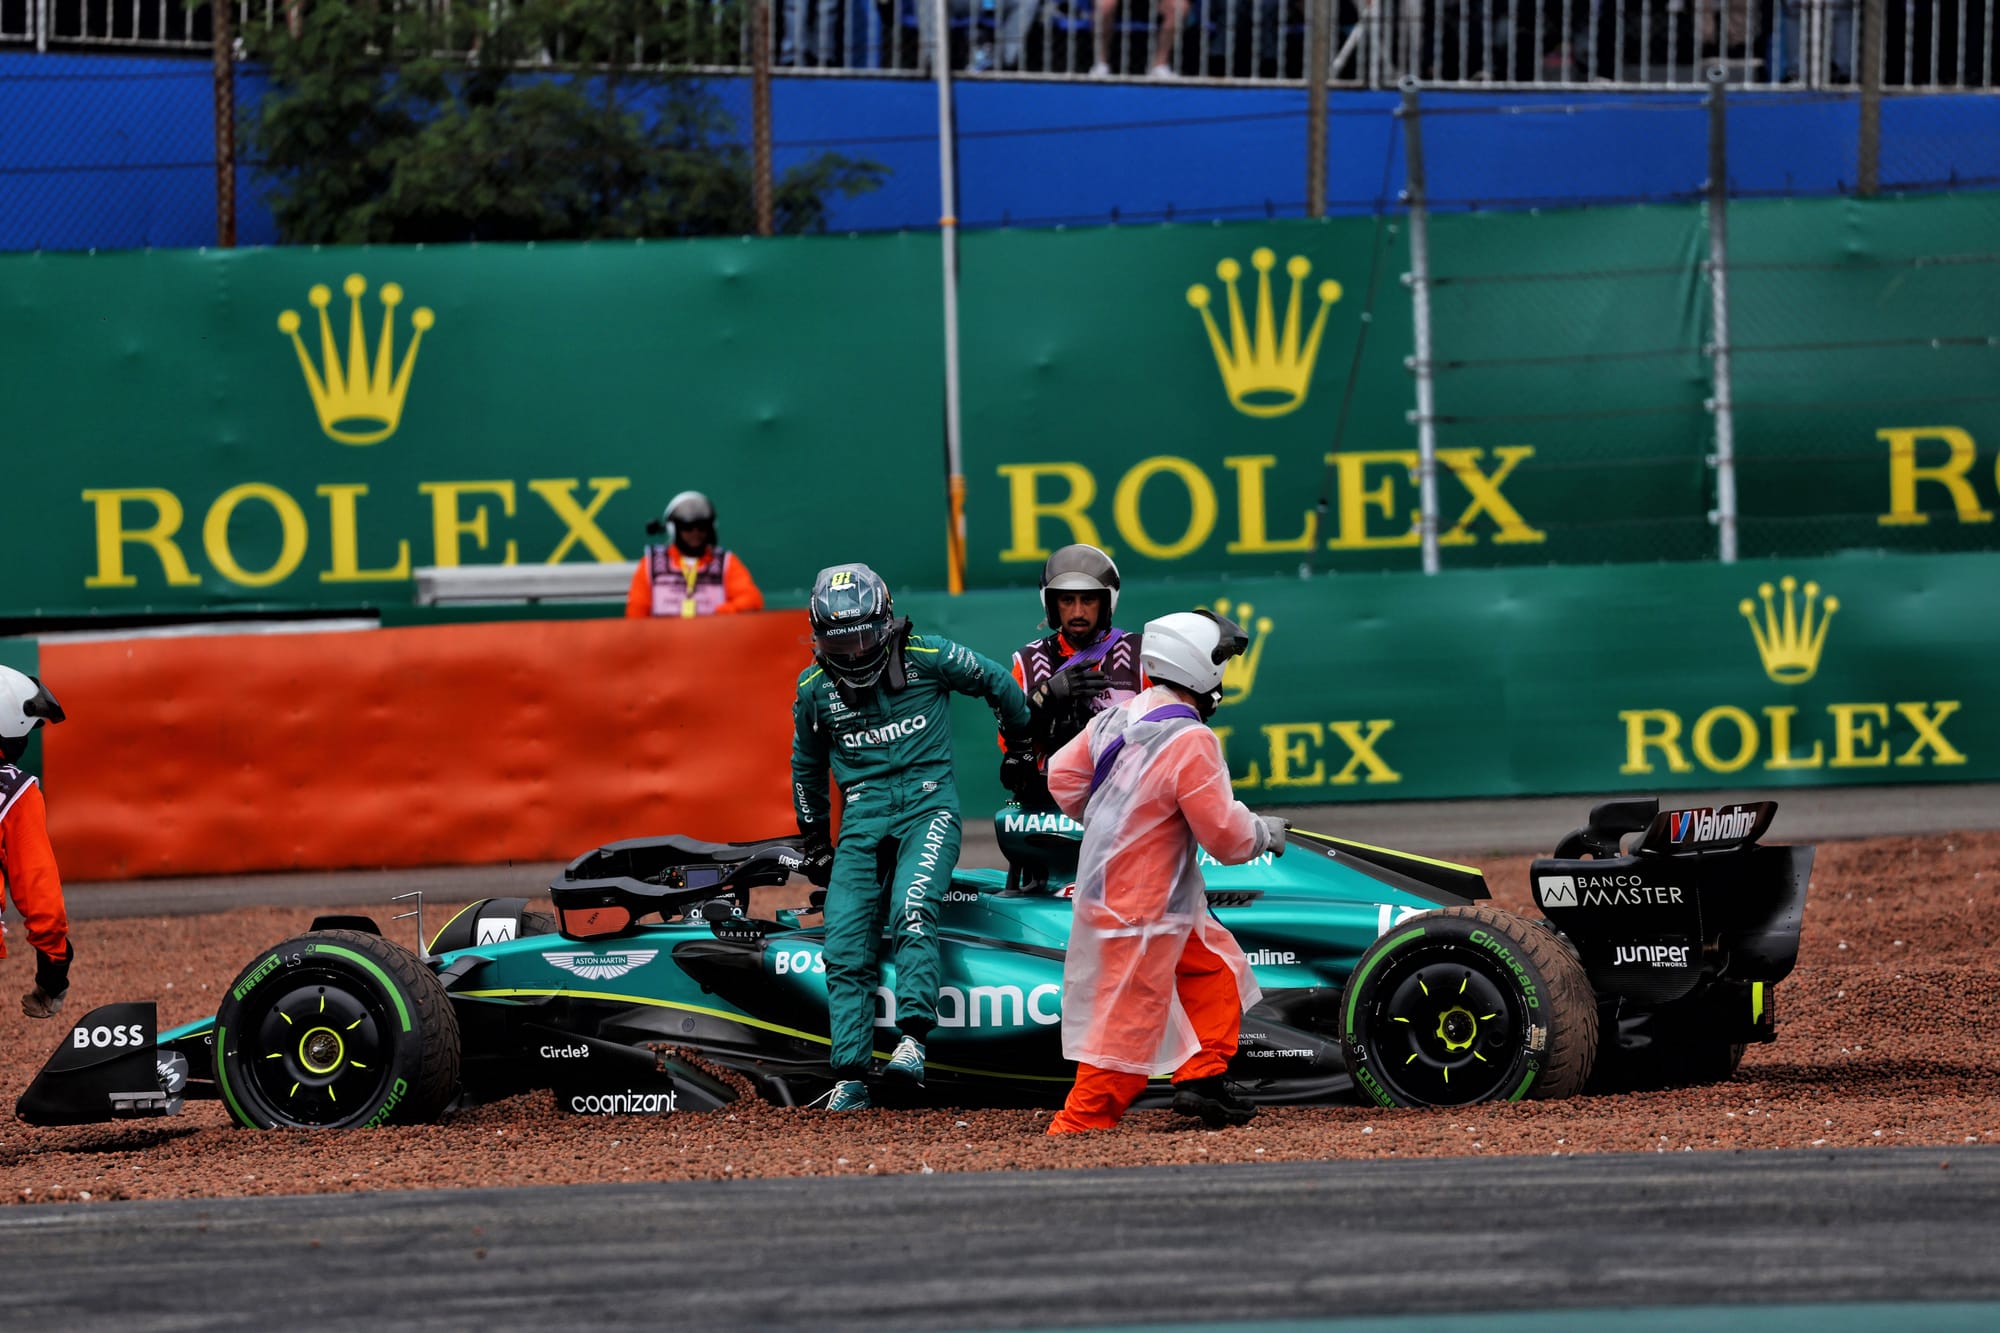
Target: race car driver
875 709
27 862
1086 664
1153 983
688 574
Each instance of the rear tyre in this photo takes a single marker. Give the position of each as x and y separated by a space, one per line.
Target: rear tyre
1465 1005
336 1029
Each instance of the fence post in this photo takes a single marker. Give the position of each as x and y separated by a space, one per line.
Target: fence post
1419 282
1720 403
948 245
760 112
1319 52
1868 169
225 124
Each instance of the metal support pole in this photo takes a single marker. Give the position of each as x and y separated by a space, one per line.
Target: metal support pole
1419 280
760 113
948 244
1868 167
1319 47
225 126
1720 403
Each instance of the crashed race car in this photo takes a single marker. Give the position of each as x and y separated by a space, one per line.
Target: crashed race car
648 984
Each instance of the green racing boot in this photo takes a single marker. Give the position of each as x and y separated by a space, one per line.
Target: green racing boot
850 1094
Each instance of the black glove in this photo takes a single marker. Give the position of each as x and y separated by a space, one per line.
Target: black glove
1018 773
817 849
1067 689
51 984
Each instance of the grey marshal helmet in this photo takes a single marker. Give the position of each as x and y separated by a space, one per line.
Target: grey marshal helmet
25 703
853 624
687 509
1079 568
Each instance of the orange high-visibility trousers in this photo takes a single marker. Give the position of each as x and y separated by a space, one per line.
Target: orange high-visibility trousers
1207 988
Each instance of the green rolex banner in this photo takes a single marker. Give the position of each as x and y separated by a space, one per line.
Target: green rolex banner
1763 674
302 427
1172 394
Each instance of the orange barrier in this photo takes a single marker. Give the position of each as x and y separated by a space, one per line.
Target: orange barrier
440 745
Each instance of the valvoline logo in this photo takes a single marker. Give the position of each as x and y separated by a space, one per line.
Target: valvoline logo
1682 825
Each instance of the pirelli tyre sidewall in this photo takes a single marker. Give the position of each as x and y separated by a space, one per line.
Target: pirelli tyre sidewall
336 1029
1464 1005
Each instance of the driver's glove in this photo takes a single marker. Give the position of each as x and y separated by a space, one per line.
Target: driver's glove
1067 689
1274 834
51 984
817 849
1019 775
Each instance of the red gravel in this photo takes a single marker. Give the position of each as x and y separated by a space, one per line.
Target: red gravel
1885 1038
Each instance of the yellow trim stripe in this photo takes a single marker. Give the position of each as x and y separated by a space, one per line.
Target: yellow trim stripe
439 934
1390 851
747 1021
817 672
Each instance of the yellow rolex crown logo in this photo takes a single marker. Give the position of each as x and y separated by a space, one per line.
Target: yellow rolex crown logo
1789 641
358 403
1264 373
1239 673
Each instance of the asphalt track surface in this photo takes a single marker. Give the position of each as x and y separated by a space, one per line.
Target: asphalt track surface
1868 1239
1826 1242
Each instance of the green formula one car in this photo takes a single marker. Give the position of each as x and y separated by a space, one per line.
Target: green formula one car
646 984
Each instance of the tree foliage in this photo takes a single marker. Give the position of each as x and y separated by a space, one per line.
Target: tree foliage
528 121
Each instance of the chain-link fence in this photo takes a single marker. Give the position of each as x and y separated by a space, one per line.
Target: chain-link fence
1816 374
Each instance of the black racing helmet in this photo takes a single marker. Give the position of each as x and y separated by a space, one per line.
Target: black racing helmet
25 703
1079 568
688 509
852 623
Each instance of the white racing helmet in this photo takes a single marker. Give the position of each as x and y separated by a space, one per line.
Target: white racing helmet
1188 649
25 703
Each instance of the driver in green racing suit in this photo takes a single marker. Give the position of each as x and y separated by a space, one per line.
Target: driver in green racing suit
875 708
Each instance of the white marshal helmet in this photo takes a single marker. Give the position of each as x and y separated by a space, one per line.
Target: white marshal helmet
25 703
1188 649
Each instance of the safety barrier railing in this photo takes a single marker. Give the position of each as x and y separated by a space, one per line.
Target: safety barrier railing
1506 44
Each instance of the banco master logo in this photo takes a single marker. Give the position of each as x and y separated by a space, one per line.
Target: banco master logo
1265 373
601 967
1239 673
1789 644
358 401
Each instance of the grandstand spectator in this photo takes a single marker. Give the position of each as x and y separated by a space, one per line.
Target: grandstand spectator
1014 20
1167 19
688 574
1836 39
813 33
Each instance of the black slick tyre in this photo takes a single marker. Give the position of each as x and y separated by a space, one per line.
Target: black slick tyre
336 1029
1468 1004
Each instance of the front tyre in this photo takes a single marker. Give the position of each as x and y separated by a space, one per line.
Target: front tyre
336 1029
1465 1005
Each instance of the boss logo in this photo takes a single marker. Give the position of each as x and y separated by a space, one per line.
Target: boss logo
104 1038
